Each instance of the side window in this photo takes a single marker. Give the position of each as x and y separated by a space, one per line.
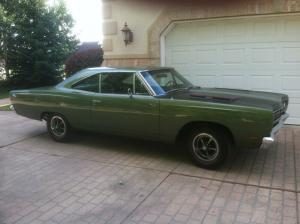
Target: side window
90 84
117 83
140 89
165 80
178 81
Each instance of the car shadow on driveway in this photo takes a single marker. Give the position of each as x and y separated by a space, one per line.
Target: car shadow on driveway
151 155
273 167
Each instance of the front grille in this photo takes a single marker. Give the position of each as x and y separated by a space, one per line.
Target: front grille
280 109
276 115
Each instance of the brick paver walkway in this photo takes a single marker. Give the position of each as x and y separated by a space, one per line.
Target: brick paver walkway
102 179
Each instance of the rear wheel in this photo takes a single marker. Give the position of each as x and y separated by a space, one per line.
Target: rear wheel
208 147
58 127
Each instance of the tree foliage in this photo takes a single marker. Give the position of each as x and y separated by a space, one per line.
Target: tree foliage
83 59
35 41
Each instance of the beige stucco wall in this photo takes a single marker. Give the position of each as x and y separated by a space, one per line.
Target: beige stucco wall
139 16
148 20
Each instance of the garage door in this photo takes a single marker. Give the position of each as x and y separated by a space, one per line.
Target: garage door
249 53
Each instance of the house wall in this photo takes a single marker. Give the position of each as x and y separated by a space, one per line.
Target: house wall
149 19
139 15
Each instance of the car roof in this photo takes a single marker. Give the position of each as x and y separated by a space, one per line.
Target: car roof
127 69
87 72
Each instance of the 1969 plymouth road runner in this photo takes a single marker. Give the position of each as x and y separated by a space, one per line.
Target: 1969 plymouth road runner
156 104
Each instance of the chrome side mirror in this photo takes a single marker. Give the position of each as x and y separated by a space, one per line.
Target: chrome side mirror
130 92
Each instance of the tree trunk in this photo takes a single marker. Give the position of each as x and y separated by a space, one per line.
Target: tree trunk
5 57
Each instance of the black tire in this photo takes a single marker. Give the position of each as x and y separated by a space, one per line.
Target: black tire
208 147
58 127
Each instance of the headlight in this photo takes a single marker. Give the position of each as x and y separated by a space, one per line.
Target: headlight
285 103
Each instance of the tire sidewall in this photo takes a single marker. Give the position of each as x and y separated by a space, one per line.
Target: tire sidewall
221 140
62 138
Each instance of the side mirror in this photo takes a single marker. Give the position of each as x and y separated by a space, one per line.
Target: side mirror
130 92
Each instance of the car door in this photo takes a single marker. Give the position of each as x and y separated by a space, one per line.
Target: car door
77 102
121 108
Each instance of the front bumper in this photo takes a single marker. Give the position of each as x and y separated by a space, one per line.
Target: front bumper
268 141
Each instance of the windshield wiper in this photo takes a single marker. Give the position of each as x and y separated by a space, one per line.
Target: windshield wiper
175 90
196 87
180 89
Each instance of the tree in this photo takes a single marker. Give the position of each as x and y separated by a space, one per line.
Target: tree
81 59
5 22
35 41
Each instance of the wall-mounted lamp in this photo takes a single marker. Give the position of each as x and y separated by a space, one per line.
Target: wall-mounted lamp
127 34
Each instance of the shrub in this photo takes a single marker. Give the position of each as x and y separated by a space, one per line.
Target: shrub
83 59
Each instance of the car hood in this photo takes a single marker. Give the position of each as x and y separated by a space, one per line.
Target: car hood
264 100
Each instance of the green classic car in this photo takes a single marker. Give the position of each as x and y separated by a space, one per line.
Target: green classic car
156 104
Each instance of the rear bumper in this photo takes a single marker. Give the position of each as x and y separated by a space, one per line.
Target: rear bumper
268 141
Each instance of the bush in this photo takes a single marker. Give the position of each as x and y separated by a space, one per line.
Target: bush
83 59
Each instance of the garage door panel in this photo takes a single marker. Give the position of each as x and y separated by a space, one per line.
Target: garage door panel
180 33
261 83
293 120
264 30
206 56
232 81
180 57
205 80
233 56
291 26
263 55
294 111
234 32
290 83
207 33
294 97
248 53
291 54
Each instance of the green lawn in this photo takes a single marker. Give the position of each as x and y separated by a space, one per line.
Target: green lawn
5 108
3 93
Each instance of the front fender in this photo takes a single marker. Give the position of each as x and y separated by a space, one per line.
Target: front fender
247 125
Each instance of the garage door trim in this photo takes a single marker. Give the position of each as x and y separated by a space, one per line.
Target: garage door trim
171 25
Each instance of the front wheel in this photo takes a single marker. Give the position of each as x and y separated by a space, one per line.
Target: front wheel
208 147
58 127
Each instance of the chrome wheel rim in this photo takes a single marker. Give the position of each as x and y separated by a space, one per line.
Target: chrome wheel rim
58 126
206 147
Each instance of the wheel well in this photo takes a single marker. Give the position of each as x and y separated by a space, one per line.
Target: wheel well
45 115
185 130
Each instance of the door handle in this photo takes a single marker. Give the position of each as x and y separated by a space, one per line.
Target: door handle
96 102
152 104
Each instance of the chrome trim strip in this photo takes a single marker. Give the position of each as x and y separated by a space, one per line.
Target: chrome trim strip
140 78
133 87
279 125
268 141
100 79
138 74
148 87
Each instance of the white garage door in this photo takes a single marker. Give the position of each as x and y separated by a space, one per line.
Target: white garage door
248 53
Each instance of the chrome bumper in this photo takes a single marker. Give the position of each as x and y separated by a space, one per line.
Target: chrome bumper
268 141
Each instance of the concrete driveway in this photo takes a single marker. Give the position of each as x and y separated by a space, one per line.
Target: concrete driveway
104 179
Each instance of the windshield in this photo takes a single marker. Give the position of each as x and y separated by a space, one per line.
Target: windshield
165 80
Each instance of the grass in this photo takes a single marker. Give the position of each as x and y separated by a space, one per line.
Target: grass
4 93
5 108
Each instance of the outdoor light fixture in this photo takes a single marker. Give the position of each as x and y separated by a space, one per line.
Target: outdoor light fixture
127 34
